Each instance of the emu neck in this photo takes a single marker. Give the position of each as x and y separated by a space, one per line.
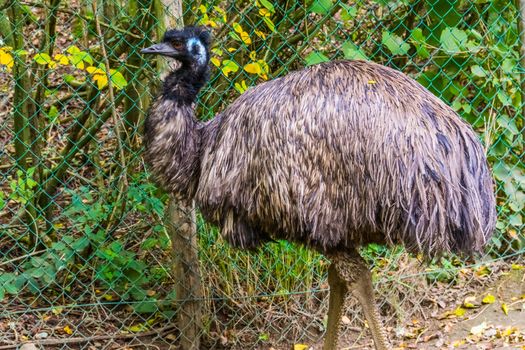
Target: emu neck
173 134
184 84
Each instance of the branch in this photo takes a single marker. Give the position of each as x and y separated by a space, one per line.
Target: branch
16 345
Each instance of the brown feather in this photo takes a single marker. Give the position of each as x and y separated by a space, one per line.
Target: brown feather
337 155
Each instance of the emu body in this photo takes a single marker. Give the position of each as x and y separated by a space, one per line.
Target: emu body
334 156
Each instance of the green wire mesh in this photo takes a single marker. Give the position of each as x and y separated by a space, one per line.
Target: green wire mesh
85 259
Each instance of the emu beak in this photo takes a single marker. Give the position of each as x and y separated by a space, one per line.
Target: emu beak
160 49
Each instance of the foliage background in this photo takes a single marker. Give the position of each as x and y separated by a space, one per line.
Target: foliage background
82 240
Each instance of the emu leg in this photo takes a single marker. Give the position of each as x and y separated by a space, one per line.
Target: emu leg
352 269
338 290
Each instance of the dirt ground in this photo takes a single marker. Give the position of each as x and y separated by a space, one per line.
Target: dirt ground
485 324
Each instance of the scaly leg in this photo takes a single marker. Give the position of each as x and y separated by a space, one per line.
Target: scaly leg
338 290
351 268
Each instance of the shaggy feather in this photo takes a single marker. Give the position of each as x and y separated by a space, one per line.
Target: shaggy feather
334 156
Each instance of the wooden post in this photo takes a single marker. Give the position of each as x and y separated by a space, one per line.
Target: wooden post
181 226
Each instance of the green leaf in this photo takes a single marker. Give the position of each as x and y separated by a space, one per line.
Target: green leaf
321 7
42 58
315 57
269 23
11 288
118 80
395 43
35 272
453 40
352 52
348 12
515 219
52 113
509 124
478 71
229 66
146 307
420 42
517 201
501 171
508 66
268 5
505 99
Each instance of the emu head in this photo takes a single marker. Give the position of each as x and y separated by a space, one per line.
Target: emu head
189 46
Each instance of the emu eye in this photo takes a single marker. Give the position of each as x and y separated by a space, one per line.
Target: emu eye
178 44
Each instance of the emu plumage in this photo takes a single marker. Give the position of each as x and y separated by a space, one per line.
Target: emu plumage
334 156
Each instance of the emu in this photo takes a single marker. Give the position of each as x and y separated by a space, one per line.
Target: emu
334 156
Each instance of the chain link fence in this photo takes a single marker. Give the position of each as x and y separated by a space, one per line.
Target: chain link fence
85 255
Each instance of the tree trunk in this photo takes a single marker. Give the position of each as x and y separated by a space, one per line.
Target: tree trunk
182 229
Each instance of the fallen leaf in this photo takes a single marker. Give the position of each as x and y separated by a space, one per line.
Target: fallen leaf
300 347
469 302
505 308
458 343
459 312
489 299
68 330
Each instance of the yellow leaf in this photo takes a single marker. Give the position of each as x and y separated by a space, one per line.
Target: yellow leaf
483 271
264 12
57 310
246 38
231 49
489 299
458 343
73 49
263 65
94 70
253 68
459 312
136 328
52 64
508 332
62 59
68 330
241 88
6 59
217 51
237 27
203 9
260 34
300 347
517 267
101 80
108 297
210 23
372 82
80 65
505 308
252 55
216 61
